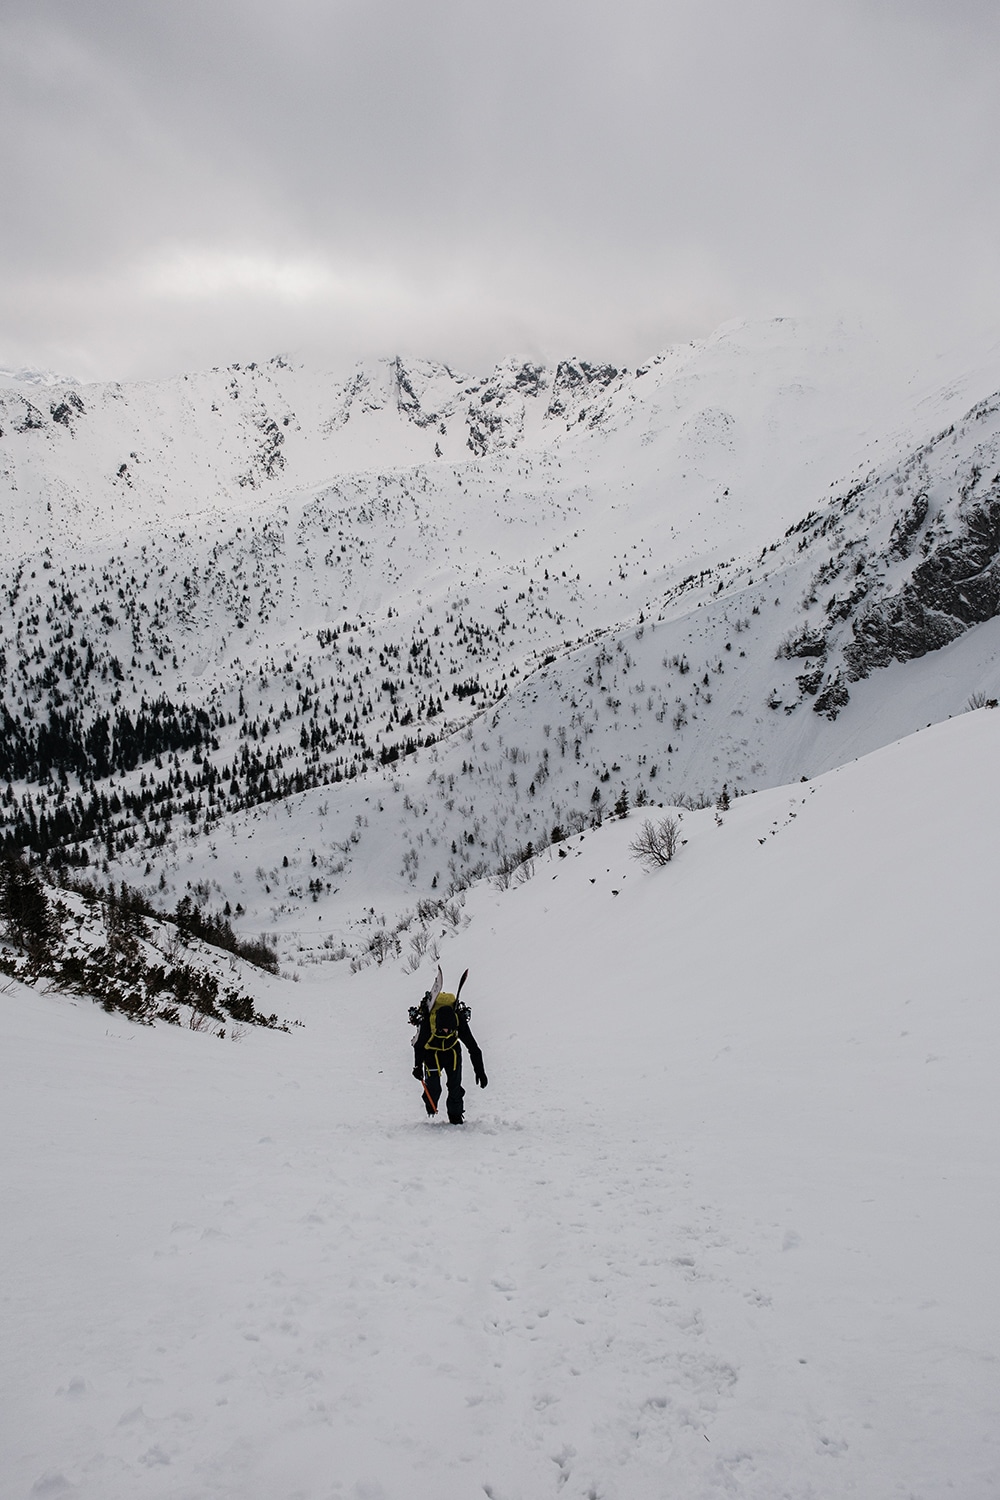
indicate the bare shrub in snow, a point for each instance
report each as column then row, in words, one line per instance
column 656, row 843
column 506, row 866
column 383, row 945
column 418, row 942
column 692, row 802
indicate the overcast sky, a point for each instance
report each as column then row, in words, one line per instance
column 189, row 182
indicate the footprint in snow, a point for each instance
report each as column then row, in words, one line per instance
column 51, row 1485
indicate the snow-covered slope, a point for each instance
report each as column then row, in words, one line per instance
column 323, row 687
column 723, row 1223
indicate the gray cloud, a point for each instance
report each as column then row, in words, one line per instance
column 195, row 182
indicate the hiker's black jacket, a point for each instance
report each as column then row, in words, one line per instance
column 425, row 1057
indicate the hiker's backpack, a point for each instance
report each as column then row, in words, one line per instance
column 445, row 1013
column 445, row 1017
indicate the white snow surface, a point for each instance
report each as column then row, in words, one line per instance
column 724, row 1223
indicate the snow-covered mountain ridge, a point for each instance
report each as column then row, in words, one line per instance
column 107, row 456
column 774, row 398
column 642, row 585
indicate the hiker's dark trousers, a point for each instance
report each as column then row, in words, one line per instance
column 445, row 1067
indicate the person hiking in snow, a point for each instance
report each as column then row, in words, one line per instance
column 442, row 1030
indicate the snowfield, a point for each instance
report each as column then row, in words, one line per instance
column 725, row 1222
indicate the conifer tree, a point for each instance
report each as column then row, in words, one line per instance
column 25, row 909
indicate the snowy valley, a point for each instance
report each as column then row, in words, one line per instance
column 365, row 674
column 304, row 699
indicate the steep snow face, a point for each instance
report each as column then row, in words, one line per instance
column 724, row 1221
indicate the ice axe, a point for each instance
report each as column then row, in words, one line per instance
column 430, row 1101
column 460, row 983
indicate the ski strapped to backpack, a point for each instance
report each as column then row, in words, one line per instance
column 446, row 1014
column 442, row 1013
column 436, row 1006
